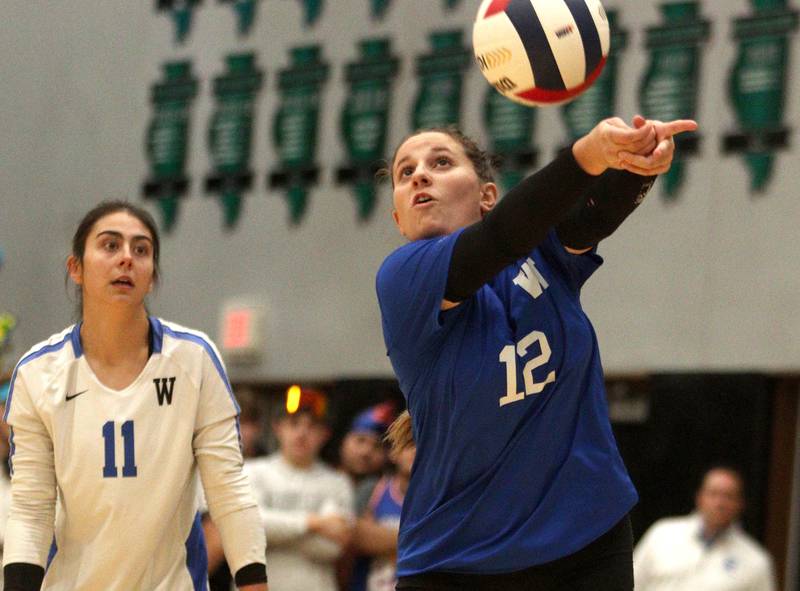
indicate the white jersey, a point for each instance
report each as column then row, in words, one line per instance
column 672, row 556
column 105, row 482
column 299, row 560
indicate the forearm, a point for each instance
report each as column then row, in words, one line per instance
column 606, row 204
column 519, row 222
column 374, row 539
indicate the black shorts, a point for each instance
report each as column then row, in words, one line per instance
column 604, row 565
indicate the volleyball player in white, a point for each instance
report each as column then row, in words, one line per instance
column 112, row 419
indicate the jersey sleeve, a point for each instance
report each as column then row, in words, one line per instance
column 411, row 285
column 29, row 530
column 217, row 401
column 228, row 493
column 574, row 268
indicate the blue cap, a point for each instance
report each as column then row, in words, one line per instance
column 376, row 419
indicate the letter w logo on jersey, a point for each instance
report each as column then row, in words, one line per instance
column 164, row 387
column 530, row 279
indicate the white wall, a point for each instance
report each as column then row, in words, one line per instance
column 709, row 282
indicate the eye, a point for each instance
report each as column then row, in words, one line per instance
column 406, row 171
column 110, row 245
column 443, row 161
column 142, row 249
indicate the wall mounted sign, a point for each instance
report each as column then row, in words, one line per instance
column 230, row 133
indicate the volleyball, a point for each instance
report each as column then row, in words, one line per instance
column 541, row 52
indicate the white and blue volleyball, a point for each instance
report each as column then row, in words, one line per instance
column 541, row 52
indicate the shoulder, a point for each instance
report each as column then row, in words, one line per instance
column 751, row 548
column 255, row 467
column 409, row 256
column 671, row 527
column 52, row 352
column 171, row 336
column 333, row 477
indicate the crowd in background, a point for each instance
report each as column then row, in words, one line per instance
column 332, row 526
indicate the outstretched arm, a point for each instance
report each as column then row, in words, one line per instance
column 521, row 220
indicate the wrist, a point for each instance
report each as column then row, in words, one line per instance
column 585, row 157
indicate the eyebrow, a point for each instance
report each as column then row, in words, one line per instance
column 434, row 149
column 116, row 234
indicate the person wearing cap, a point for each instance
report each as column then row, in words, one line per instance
column 306, row 507
column 362, row 453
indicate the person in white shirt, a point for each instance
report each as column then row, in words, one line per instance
column 306, row 507
column 111, row 421
column 707, row 550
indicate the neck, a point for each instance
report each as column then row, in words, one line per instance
column 299, row 463
column 112, row 334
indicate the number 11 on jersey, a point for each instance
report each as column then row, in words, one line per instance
column 509, row 355
column 129, row 467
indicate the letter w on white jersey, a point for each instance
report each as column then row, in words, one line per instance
column 530, row 279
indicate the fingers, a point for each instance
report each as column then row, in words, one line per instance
column 670, row 128
column 656, row 162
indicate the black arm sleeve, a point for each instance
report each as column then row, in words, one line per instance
column 22, row 576
column 610, row 199
column 251, row 574
column 518, row 223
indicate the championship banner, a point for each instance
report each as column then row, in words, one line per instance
column 451, row 4
column 167, row 141
column 312, row 9
column 245, row 14
column 295, row 127
column 231, row 131
column 379, row 8
column 599, row 101
column 758, row 87
column 670, row 86
column 441, row 74
column 510, row 127
column 365, row 119
column 181, row 11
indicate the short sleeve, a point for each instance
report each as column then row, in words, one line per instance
column 574, row 268
column 411, row 285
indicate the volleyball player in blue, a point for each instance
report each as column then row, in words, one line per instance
column 517, row 482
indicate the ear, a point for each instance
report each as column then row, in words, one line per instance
column 488, row 197
column 74, row 269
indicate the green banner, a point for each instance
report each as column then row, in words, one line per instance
column 167, row 140
column 365, row 119
column 599, row 101
column 441, row 74
column 231, row 131
column 181, row 11
column 670, row 86
column 757, row 86
column 295, row 128
column 245, row 14
column 312, row 9
column 451, row 4
column 379, row 8
column 510, row 127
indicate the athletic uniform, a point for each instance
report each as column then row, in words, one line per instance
column 105, row 482
column 516, row 462
column 385, row 507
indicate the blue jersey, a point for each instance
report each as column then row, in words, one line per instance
column 516, row 462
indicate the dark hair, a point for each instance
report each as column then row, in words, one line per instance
column 100, row 211
column 483, row 163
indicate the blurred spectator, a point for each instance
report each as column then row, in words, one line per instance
column 306, row 507
column 5, row 481
column 251, row 431
column 707, row 550
column 362, row 453
column 377, row 528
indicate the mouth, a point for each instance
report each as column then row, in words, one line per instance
column 125, row 282
column 421, row 199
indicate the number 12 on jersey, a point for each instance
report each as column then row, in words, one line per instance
column 129, row 467
column 509, row 356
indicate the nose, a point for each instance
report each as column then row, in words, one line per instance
column 126, row 258
column 421, row 177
